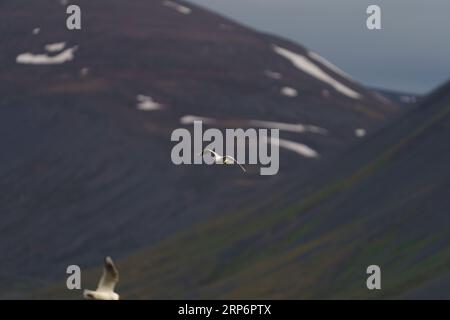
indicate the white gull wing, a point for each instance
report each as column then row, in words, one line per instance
column 236, row 162
column 215, row 154
column 109, row 278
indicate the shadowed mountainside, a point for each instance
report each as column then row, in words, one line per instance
column 86, row 118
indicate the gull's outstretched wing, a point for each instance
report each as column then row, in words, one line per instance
column 236, row 162
column 215, row 154
column 110, row 276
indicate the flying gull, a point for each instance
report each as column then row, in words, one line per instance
column 105, row 289
column 219, row 159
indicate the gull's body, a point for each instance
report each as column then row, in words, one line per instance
column 105, row 289
column 219, row 159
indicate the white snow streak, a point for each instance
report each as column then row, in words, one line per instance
column 54, row 47
column 310, row 68
column 189, row 119
column 290, row 127
column 43, row 59
column 296, row 147
column 146, row 103
column 329, row 65
column 289, row 92
column 360, row 133
column 178, row 7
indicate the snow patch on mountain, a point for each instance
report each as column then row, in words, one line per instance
column 273, row 74
column 305, row 65
column 146, row 103
column 299, row 148
column 360, row 133
column 178, row 7
column 190, row 119
column 289, row 92
column 291, row 127
column 329, row 65
column 44, row 59
column 55, row 47
column 283, row 126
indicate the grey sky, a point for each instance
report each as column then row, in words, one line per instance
column 411, row 53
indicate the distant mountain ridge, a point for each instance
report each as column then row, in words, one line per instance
column 401, row 98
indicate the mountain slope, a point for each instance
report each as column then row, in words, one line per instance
column 385, row 203
column 401, row 98
column 86, row 118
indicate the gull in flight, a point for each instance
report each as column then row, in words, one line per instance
column 219, row 159
column 105, row 289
